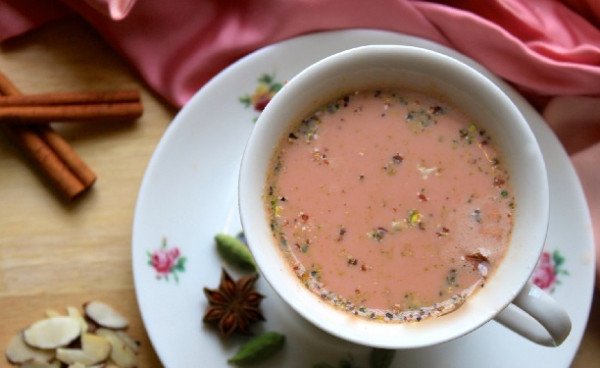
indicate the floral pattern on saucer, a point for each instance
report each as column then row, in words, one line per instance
column 548, row 270
column 267, row 87
column 167, row 261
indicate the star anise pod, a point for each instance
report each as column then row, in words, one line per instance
column 234, row 305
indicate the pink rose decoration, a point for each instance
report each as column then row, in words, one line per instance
column 163, row 261
column 167, row 262
column 173, row 254
column 544, row 275
column 267, row 87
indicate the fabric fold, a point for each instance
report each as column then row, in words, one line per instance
column 115, row 9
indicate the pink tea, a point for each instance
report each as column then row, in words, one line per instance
column 392, row 205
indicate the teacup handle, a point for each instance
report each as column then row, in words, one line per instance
column 536, row 316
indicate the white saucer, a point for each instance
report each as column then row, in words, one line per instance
column 189, row 194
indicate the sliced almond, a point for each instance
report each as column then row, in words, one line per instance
column 52, row 313
column 18, row 351
column 74, row 313
column 76, row 365
column 47, row 339
column 121, row 353
column 130, row 341
column 105, row 316
column 94, row 350
column 79, row 365
column 51, row 333
column 72, row 356
column 34, row 364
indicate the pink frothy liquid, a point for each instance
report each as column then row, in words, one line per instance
column 392, row 205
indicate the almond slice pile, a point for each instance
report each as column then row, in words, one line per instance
column 94, row 339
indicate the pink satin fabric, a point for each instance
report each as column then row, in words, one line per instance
column 115, row 9
column 548, row 49
column 19, row 16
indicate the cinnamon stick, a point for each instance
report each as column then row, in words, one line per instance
column 57, row 161
column 67, row 154
column 70, row 98
column 47, row 161
column 85, row 112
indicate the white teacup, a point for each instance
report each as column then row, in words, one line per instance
column 508, row 297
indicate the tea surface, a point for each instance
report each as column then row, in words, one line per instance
column 391, row 205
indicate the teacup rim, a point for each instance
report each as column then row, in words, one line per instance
column 273, row 276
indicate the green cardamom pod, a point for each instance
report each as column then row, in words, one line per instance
column 381, row 358
column 235, row 252
column 258, row 349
